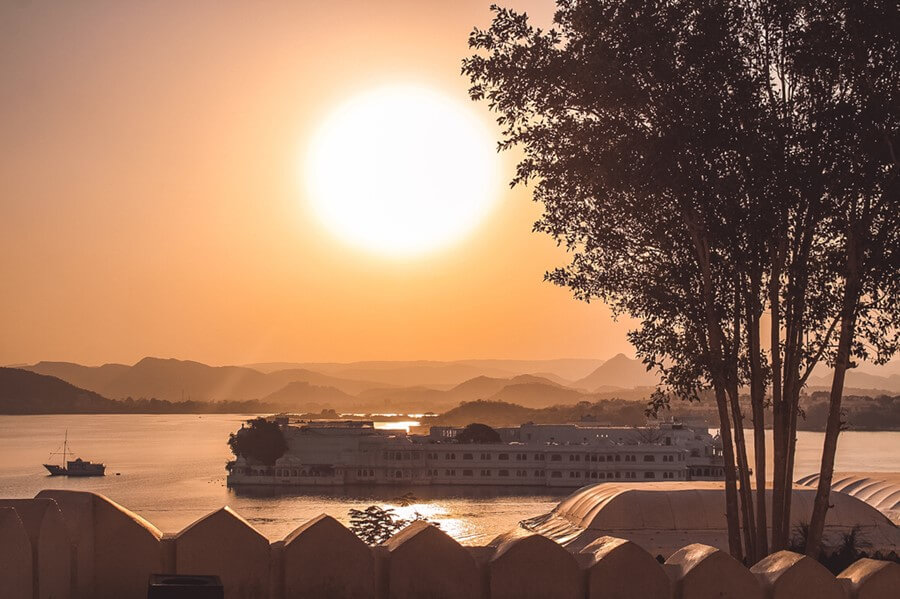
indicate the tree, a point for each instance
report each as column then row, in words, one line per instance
column 850, row 54
column 261, row 441
column 478, row 433
column 626, row 143
column 375, row 524
column 693, row 159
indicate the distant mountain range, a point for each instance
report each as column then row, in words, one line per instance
column 441, row 374
column 360, row 386
column 859, row 380
column 375, row 386
column 177, row 380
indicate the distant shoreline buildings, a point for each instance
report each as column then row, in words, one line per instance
column 332, row 453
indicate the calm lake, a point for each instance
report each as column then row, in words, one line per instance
column 171, row 471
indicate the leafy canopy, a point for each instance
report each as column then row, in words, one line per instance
column 261, row 441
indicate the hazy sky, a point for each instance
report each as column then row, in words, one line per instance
column 150, row 203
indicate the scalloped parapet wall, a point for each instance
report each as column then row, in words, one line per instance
column 84, row 546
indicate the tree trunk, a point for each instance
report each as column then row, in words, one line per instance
column 737, row 416
column 719, row 380
column 743, row 473
column 833, row 427
column 779, row 455
column 757, row 400
column 731, row 496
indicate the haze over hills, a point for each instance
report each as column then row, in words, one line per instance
column 176, row 380
column 619, row 371
column 436, row 374
column 859, row 380
column 301, row 388
column 311, row 398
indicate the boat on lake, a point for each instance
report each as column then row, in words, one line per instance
column 76, row 467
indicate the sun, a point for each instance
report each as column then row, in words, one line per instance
column 401, row 171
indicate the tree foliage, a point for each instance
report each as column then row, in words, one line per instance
column 706, row 164
column 376, row 525
column 478, row 433
column 261, row 441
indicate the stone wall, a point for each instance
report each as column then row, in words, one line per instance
column 81, row 545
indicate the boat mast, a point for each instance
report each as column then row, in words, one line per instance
column 65, row 447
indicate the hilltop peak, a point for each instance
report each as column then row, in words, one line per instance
column 619, row 371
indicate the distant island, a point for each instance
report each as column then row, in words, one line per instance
column 27, row 392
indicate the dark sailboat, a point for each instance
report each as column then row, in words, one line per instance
column 76, row 467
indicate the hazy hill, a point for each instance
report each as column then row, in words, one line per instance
column 619, row 371
column 347, row 385
column 302, row 396
column 859, row 380
column 524, row 389
column 431, row 373
column 483, row 387
column 537, row 395
column 567, row 369
column 497, row 413
column 403, row 399
column 174, row 380
column 24, row 392
column 95, row 378
column 416, row 374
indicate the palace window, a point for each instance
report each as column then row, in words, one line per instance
column 556, row 457
column 649, row 475
column 503, row 473
column 649, row 458
column 467, row 456
column 555, row 474
column 503, row 456
column 467, row 473
column 485, row 473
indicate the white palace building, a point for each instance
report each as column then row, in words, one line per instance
column 553, row 455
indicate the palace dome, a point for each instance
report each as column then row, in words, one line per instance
column 881, row 490
column 665, row 516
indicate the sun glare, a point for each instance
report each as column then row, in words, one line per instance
column 401, row 171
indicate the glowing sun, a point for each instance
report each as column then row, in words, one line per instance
column 401, row 170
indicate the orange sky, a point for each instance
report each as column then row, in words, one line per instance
column 149, row 202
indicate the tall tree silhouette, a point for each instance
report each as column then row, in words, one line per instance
column 678, row 150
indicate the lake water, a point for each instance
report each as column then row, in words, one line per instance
column 172, row 472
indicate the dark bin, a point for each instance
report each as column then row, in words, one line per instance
column 184, row 586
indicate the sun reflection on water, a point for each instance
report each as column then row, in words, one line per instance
column 436, row 514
